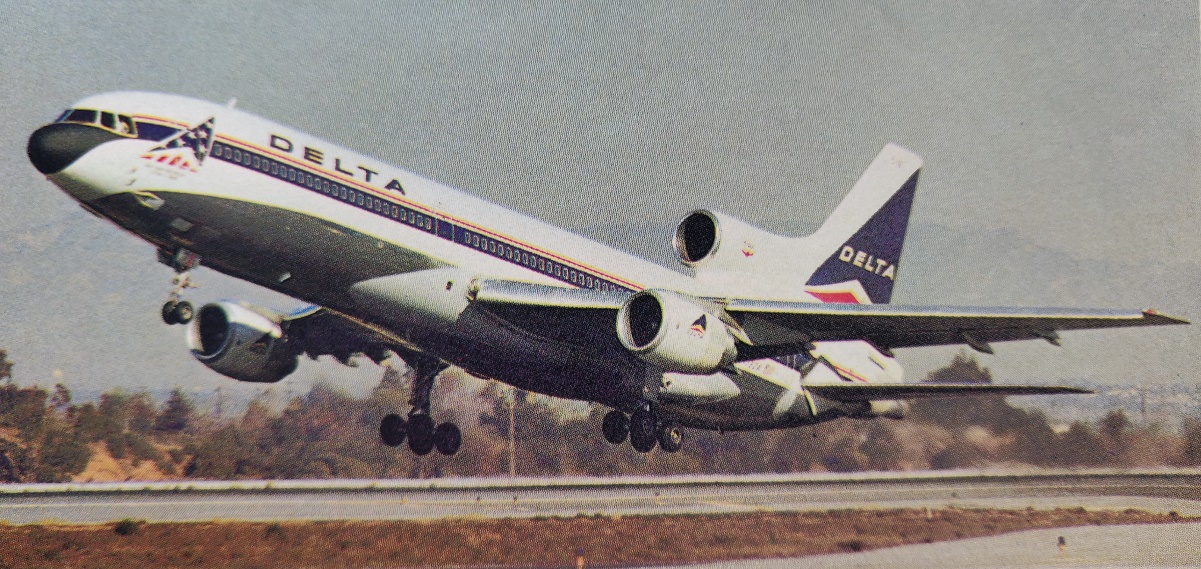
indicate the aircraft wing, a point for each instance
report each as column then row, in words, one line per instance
column 876, row 391
column 319, row 331
column 777, row 328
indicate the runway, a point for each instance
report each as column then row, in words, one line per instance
column 1156, row 491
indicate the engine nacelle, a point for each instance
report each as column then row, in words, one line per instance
column 674, row 333
column 716, row 241
column 239, row 342
column 697, row 389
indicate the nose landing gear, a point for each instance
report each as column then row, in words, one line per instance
column 177, row 310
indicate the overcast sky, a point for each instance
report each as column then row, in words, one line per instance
column 1060, row 140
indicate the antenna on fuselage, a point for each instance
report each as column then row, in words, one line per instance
column 233, row 102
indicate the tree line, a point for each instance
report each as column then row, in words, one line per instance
column 47, row 437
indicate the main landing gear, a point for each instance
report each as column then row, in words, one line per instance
column 644, row 428
column 419, row 429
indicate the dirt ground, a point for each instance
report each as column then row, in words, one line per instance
column 538, row 542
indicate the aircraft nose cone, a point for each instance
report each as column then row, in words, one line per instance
column 56, row 146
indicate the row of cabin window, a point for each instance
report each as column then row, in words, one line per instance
column 316, row 183
column 533, row 261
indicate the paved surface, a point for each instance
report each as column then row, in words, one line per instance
column 1110, row 546
column 350, row 500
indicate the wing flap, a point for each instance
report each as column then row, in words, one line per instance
column 849, row 392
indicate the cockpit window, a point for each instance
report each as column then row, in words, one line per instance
column 125, row 125
column 81, row 115
column 120, row 124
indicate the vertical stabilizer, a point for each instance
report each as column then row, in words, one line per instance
column 857, row 250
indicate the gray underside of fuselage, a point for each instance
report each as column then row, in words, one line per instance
column 322, row 260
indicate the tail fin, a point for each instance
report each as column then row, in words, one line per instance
column 857, row 249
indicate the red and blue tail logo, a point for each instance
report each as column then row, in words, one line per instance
column 864, row 269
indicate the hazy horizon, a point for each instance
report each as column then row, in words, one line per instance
column 1060, row 142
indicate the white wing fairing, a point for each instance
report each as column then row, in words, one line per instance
column 769, row 331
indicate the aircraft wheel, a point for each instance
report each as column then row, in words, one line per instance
column 421, row 434
column 616, row 427
column 183, row 312
column 392, row 430
column 670, row 438
column 448, row 438
column 642, row 430
column 169, row 312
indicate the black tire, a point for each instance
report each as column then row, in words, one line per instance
column 392, row 430
column 670, row 438
column 421, row 434
column 184, row 312
column 642, row 431
column 169, row 313
column 616, row 427
column 448, row 438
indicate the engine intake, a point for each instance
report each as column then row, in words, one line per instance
column 714, row 241
column 697, row 237
column 239, row 342
column 674, row 333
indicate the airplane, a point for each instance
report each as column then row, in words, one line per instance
column 758, row 331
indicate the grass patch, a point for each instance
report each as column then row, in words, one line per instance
column 554, row 541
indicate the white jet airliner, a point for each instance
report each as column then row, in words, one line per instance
column 765, row 332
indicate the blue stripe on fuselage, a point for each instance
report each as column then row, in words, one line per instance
column 462, row 235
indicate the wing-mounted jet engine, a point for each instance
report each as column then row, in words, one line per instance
column 242, row 343
column 674, row 333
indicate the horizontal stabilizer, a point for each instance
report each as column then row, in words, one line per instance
column 877, row 391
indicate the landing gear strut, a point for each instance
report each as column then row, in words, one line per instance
column 419, row 429
column 644, row 428
column 177, row 310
